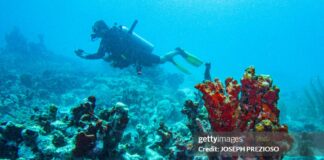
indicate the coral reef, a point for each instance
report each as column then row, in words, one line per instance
column 195, row 118
column 84, row 143
column 93, row 130
column 228, row 111
column 107, row 128
column 10, row 135
column 83, row 135
column 148, row 124
column 251, row 106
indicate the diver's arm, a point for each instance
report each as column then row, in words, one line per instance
column 100, row 53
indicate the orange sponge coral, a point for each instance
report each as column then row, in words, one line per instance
column 241, row 107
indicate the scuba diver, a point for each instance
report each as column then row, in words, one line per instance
column 122, row 47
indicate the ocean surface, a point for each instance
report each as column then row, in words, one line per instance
column 284, row 39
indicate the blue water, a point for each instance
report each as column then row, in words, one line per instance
column 282, row 38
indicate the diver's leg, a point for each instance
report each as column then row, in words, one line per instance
column 186, row 55
column 190, row 58
column 181, row 68
column 169, row 56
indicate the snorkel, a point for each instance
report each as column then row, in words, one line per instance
column 133, row 27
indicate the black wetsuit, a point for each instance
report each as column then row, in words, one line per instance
column 123, row 52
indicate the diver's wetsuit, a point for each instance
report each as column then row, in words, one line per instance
column 123, row 51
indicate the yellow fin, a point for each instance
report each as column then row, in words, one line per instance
column 193, row 60
column 183, row 69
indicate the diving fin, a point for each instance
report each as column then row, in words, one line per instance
column 183, row 69
column 190, row 58
column 193, row 60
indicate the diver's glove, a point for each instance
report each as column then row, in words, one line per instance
column 79, row 52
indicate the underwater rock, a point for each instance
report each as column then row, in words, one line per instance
column 160, row 143
column 165, row 134
column 84, row 109
column 71, row 131
column 120, row 105
column 138, row 142
column 64, row 152
column 29, row 136
column 128, row 156
column 44, row 121
column 117, row 122
column 8, row 150
column 191, row 110
column 44, row 143
column 47, row 149
column 58, row 139
column 84, row 143
column 59, row 125
column 13, row 131
column 52, row 111
column 152, row 154
column 26, row 151
column 104, row 114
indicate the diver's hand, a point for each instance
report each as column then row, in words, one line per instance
column 79, row 52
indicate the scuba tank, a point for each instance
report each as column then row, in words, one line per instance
column 127, row 47
column 134, row 41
